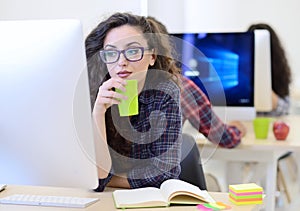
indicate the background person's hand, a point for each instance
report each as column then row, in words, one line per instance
column 240, row 126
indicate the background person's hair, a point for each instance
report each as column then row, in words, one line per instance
column 281, row 72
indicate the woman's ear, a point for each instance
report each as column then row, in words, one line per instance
column 152, row 58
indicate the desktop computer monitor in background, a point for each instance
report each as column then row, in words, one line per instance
column 222, row 65
column 46, row 133
column 263, row 71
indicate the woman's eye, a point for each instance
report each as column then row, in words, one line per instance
column 111, row 53
column 132, row 51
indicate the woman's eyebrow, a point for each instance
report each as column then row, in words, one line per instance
column 109, row 46
column 133, row 43
column 127, row 45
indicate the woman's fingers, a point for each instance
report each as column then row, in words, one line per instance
column 117, row 83
column 107, row 94
column 112, row 94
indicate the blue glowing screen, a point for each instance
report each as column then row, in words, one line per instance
column 221, row 64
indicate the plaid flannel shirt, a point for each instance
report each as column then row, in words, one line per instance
column 155, row 134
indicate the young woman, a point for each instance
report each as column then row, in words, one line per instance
column 144, row 149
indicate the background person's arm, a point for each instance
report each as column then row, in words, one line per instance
column 198, row 110
column 280, row 105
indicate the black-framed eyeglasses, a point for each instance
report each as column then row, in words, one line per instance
column 132, row 54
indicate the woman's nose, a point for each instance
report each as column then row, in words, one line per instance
column 122, row 60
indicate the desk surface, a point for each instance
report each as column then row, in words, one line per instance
column 291, row 143
column 105, row 202
column 249, row 141
column 265, row 151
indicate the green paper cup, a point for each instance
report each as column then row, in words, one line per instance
column 261, row 127
column 130, row 106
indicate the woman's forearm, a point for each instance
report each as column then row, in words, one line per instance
column 119, row 181
column 103, row 159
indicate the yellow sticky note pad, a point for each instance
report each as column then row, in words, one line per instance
column 215, row 205
column 249, row 193
column 249, row 187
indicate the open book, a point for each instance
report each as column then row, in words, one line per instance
column 172, row 191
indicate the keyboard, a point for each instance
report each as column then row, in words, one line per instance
column 42, row 200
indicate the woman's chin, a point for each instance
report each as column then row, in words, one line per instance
column 139, row 76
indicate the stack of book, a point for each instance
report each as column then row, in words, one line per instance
column 241, row 194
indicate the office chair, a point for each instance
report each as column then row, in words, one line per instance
column 191, row 167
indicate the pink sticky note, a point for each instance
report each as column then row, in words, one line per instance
column 202, row 207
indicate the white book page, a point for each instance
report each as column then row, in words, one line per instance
column 172, row 186
column 138, row 196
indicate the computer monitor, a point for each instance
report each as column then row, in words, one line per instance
column 222, row 65
column 263, row 71
column 46, row 133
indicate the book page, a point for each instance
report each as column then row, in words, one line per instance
column 173, row 187
column 140, row 197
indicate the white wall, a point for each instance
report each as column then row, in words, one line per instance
column 90, row 12
column 178, row 15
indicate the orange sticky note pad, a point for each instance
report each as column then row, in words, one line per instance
column 226, row 206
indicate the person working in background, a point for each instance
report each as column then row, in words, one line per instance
column 141, row 150
column 198, row 110
column 281, row 73
column 281, row 80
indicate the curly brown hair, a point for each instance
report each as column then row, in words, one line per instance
column 281, row 72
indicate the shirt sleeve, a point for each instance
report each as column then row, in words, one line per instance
column 165, row 149
column 197, row 109
column 283, row 106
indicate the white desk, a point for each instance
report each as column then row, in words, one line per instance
column 253, row 150
column 104, row 204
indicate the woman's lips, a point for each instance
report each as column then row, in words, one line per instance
column 124, row 74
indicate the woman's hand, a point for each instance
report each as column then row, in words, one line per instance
column 107, row 96
column 274, row 100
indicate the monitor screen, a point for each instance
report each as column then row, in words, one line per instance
column 222, row 65
column 46, row 133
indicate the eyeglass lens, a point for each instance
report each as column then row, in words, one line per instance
column 131, row 54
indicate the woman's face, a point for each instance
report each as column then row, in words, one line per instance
column 123, row 38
